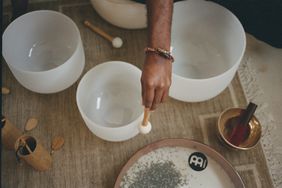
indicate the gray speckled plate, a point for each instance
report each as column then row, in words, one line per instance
column 178, row 163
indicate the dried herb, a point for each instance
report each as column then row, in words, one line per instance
column 155, row 175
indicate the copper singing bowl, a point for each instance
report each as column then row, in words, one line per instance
column 223, row 129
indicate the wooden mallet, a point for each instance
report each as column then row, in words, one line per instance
column 116, row 41
column 145, row 126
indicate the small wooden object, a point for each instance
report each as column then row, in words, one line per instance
column 57, row 143
column 145, row 127
column 5, row 91
column 116, row 41
column 33, row 153
column 24, row 144
column 31, row 124
column 98, row 31
column 10, row 133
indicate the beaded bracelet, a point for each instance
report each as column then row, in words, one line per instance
column 161, row 52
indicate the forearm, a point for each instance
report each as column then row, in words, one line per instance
column 156, row 74
column 159, row 23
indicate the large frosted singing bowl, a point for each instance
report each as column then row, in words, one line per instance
column 209, row 43
column 44, row 51
column 122, row 13
column 109, row 100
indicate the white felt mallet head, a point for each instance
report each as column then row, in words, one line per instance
column 117, row 42
column 145, row 126
column 145, row 129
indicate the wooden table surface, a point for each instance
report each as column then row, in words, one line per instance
column 86, row 160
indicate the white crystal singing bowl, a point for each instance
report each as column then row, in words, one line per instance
column 209, row 43
column 44, row 51
column 109, row 100
column 122, row 13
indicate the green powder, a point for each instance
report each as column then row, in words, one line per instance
column 155, row 175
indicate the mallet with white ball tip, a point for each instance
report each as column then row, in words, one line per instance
column 116, row 41
column 145, row 127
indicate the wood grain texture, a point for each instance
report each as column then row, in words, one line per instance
column 87, row 161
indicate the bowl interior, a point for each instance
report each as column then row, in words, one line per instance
column 109, row 94
column 224, row 130
column 207, row 39
column 40, row 41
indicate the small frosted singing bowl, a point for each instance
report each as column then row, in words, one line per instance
column 109, row 100
column 224, row 129
column 122, row 13
column 208, row 47
column 44, row 51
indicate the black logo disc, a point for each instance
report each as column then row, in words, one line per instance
column 198, row 161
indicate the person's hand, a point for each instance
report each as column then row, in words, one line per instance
column 155, row 80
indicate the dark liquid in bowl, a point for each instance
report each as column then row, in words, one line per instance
column 230, row 126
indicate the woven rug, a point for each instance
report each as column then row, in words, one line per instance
column 87, row 161
column 253, row 92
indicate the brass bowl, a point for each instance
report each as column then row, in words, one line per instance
column 223, row 129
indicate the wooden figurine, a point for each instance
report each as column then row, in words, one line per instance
column 33, row 153
column 10, row 133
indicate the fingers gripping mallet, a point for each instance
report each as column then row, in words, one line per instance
column 145, row 126
column 116, row 41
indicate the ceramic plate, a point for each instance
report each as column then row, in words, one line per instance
column 178, row 163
